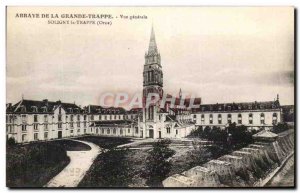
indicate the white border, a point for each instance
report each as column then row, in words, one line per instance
column 5, row 3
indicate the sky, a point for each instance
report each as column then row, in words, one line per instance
column 221, row 54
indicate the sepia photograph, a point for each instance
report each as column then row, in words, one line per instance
column 150, row 97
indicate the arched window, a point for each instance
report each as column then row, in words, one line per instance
column 262, row 118
column 250, row 118
column 275, row 119
column 229, row 118
column 239, row 118
column 219, row 119
column 202, row 119
column 211, row 119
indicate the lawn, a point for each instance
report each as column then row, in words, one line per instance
column 35, row 164
column 106, row 142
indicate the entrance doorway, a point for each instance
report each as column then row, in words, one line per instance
column 159, row 134
column 151, row 134
column 59, row 134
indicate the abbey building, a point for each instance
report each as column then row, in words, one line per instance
column 30, row 120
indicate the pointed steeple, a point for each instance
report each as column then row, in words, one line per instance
column 180, row 93
column 152, row 44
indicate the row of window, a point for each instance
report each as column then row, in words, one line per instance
column 9, row 119
column 229, row 117
column 59, row 125
column 229, row 108
column 36, row 135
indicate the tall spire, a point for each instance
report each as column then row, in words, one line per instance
column 152, row 45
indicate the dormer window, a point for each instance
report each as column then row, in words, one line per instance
column 44, row 109
column 23, row 109
column 34, row 109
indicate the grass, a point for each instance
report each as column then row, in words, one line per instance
column 33, row 165
column 69, row 145
column 106, row 142
column 110, row 168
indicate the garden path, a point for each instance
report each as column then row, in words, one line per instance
column 80, row 162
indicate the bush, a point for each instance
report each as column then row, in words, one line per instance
column 280, row 127
column 158, row 164
column 11, row 142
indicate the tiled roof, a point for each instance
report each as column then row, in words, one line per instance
column 135, row 111
column 94, row 109
column 112, row 123
column 265, row 134
column 240, row 106
column 187, row 101
column 42, row 107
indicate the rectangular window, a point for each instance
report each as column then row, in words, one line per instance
column 59, row 125
column 46, row 135
column 240, row 121
column 210, row 121
column 78, row 124
column 71, row 124
column 262, row 121
column 24, row 118
column 24, row 136
column 24, row 128
column 59, row 117
column 35, row 126
column 84, row 124
column 250, row 121
column 78, row 130
column 71, row 131
column 121, row 131
column 220, row 121
column 36, row 136
column 45, row 118
column 35, row 117
column 45, row 126
column 128, row 130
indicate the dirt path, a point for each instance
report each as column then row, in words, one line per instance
column 80, row 162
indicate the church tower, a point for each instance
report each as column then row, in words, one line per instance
column 152, row 83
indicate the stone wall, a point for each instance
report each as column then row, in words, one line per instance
column 243, row 168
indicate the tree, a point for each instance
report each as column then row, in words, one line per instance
column 158, row 164
column 11, row 142
column 280, row 127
